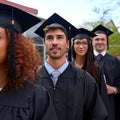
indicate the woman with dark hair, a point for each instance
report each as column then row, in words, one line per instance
column 82, row 52
column 83, row 58
column 20, row 98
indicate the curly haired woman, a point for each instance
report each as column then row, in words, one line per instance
column 20, row 98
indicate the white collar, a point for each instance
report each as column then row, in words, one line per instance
column 102, row 53
column 50, row 69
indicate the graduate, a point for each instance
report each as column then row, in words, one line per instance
column 110, row 66
column 20, row 99
column 83, row 58
column 74, row 92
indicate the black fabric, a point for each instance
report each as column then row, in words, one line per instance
column 21, row 20
column 31, row 102
column 55, row 18
column 86, row 32
column 101, row 86
column 12, row 66
column 75, row 96
column 99, row 57
column 101, row 28
column 110, row 68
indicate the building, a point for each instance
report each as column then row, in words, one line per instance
column 22, row 7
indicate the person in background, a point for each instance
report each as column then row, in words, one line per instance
column 110, row 68
column 74, row 92
column 83, row 58
column 20, row 98
column 82, row 52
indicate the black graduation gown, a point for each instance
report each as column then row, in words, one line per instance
column 110, row 67
column 31, row 102
column 75, row 96
column 101, row 85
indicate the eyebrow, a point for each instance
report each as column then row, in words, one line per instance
column 56, row 35
column 60, row 35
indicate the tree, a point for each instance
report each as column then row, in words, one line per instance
column 106, row 9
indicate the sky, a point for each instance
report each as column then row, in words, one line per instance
column 75, row 11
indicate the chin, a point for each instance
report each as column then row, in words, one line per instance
column 55, row 57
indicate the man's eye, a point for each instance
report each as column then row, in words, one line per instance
column 96, row 39
column 59, row 37
column 49, row 38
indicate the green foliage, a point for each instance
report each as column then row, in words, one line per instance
column 114, row 43
column 105, row 9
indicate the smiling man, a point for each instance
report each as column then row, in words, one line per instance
column 110, row 66
column 74, row 92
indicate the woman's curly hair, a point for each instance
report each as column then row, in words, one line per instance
column 28, row 59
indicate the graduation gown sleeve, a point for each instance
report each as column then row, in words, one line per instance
column 110, row 67
column 43, row 105
column 29, row 102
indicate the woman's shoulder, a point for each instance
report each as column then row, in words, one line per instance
column 32, row 89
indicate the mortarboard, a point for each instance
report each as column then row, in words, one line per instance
column 83, row 31
column 104, row 30
column 87, row 32
column 55, row 18
column 21, row 19
column 16, row 20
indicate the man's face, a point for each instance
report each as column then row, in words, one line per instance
column 56, row 44
column 100, row 42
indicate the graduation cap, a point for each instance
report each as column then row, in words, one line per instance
column 55, row 18
column 16, row 20
column 101, row 29
column 85, row 32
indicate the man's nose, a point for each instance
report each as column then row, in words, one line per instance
column 54, row 41
column 100, row 41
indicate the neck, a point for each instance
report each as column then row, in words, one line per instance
column 56, row 63
column 79, row 61
column 3, row 76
